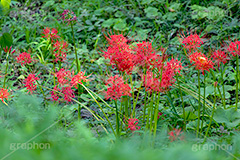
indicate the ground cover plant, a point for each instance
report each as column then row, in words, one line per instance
column 117, row 79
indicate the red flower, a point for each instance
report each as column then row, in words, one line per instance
column 79, row 78
column 132, row 124
column 30, row 82
column 119, row 54
column 201, row 61
column 117, row 40
column 191, row 42
column 175, row 134
column 145, row 56
column 234, row 48
column 117, row 88
column 24, row 58
column 151, row 82
column 220, row 57
column 60, row 49
column 162, row 81
column 175, row 65
column 50, row 34
column 3, row 94
column 68, row 93
column 63, row 76
column 54, row 94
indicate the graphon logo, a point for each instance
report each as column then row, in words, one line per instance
column 28, row 146
column 211, row 147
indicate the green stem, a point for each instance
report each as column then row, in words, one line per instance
column 75, row 49
column 156, row 117
column 184, row 114
column 78, row 69
column 150, row 107
column 224, row 98
column 54, row 76
column 199, row 103
column 145, row 106
column 204, row 96
column 117, row 120
column 135, row 102
column 6, row 70
column 132, row 92
column 211, row 115
column 237, row 83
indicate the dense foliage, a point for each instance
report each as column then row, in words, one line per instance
column 137, row 79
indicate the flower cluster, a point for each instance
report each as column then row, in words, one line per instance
column 234, row 48
column 220, row 57
column 4, row 94
column 30, row 83
column 59, row 46
column 117, row 88
column 191, row 42
column 119, row 53
column 164, row 78
column 60, row 51
column 145, row 55
column 132, row 124
column 66, row 81
column 24, row 58
column 201, row 62
column 50, row 34
column 68, row 16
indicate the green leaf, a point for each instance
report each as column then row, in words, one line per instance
column 6, row 40
column 120, row 25
column 108, row 23
column 146, row 1
column 151, row 12
column 230, row 117
column 6, row 3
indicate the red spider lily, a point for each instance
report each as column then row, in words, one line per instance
column 151, row 82
column 162, row 81
column 132, row 124
column 175, row 134
column 121, row 58
column 175, row 65
column 50, row 34
column 117, row 40
column 8, row 50
column 191, row 42
column 30, row 82
column 54, row 94
column 119, row 54
column 68, row 16
column 220, row 57
column 234, row 48
column 60, row 49
column 145, row 56
column 79, row 78
column 4, row 94
column 167, row 77
column 117, row 88
column 68, row 93
column 63, row 76
column 24, row 58
column 201, row 61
